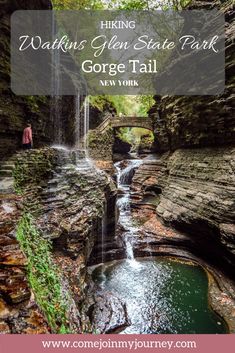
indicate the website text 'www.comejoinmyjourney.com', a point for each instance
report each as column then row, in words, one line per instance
column 124, row 344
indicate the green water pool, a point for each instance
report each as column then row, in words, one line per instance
column 161, row 295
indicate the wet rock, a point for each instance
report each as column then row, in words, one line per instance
column 106, row 166
column 191, row 190
column 120, row 146
column 14, row 285
column 199, row 194
column 28, row 321
column 16, row 315
column 4, row 310
column 222, row 297
column 4, row 328
column 227, row 232
column 10, row 254
column 67, row 197
column 109, row 313
column 147, row 184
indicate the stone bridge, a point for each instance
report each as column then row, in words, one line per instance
column 125, row 121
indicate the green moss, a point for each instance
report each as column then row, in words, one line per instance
column 95, row 139
column 32, row 169
column 43, row 275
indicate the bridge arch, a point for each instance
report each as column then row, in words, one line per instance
column 144, row 123
column 116, row 122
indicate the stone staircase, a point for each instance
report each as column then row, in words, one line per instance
column 6, row 176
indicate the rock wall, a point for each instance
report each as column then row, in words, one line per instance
column 15, row 111
column 192, row 186
column 191, row 190
column 100, row 144
column 66, row 197
column 186, row 121
column 198, row 196
column 148, row 183
column 18, row 311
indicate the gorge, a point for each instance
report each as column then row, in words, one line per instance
column 99, row 237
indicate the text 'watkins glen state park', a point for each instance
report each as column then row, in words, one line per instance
column 106, row 52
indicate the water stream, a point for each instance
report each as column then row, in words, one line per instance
column 56, row 107
column 162, row 295
column 125, row 220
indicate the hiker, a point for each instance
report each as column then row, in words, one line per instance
column 27, row 140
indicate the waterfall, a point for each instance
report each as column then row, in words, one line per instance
column 104, row 230
column 77, row 126
column 103, row 239
column 81, row 128
column 86, row 122
column 128, row 172
column 56, row 109
column 81, row 125
column 129, row 249
column 81, row 122
column 124, row 177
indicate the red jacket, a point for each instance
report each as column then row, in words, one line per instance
column 27, row 135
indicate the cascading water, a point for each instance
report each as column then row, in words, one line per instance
column 81, row 132
column 125, row 220
column 104, row 231
column 77, row 126
column 81, row 122
column 78, row 154
column 86, row 122
column 161, row 295
column 56, row 109
column 103, row 239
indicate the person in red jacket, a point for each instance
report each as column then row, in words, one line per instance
column 27, row 140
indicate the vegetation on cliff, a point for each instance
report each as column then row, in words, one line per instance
column 32, row 171
column 120, row 4
column 43, row 275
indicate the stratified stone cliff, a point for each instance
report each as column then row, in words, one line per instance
column 186, row 121
column 199, row 195
column 192, row 187
column 66, row 196
column 15, row 111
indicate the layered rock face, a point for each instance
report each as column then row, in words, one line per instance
column 66, row 196
column 120, row 148
column 15, row 111
column 18, row 311
column 147, row 184
column 192, row 186
column 199, row 194
column 100, row 145
column 69, row 206
column 186, row 121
